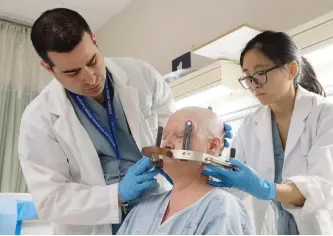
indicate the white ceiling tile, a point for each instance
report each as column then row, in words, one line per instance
column 97, row 13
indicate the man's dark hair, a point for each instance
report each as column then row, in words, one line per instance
column 58, row 30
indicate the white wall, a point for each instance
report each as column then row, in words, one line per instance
column 161, row 30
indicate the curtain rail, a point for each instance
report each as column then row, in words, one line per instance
column 15, row 22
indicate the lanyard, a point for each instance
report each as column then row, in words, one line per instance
column 80, row 101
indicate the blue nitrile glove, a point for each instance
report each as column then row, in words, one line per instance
column 245, row 179
column 164, row 174
column 228, row 134
column 138, row 178
column 227, row 130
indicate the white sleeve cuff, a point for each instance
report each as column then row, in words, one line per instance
column 116, row 214
column 301, row 182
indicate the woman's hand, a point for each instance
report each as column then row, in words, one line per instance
column 245, row 179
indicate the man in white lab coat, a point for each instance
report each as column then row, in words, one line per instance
column 80, row 139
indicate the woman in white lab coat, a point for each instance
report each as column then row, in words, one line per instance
column 284, row 148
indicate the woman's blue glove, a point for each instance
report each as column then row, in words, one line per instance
column 228, row 134
column 138, row 178
column 245, row 179
column 227, row 130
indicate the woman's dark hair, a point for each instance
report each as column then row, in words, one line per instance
column 309, row 75
column 281, row 49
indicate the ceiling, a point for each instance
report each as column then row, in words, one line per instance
column 159, row 31
column 97, row 12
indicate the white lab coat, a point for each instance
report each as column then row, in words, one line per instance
column 59, row 161
column 308, row 162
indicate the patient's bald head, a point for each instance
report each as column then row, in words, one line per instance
column 207, row 137
column 207, row 133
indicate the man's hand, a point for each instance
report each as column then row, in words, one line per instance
column 137, row 179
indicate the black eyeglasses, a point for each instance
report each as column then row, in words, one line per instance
column 259, row 78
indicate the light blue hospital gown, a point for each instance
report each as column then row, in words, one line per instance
column 218, row 212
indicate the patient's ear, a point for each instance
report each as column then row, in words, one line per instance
column 215, row 146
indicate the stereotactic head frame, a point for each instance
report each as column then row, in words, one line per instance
column 156, row 153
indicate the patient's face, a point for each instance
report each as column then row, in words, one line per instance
column 173, row 138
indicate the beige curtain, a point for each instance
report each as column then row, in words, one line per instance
column 21, row 79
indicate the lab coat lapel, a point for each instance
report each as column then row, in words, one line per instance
column 129, row 99
column 301, row 111
column 69, row 129
column 265, row 152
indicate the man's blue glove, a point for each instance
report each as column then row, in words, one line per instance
column 245, row 179
column 138, row 178
column 227, row 130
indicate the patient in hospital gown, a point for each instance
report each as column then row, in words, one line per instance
column 192, row 206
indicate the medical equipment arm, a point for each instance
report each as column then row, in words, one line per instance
column 57, row 198
column 156, row 153
column 158, row 144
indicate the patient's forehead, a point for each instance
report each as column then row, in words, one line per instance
column 201, row 119
column 178, row 120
